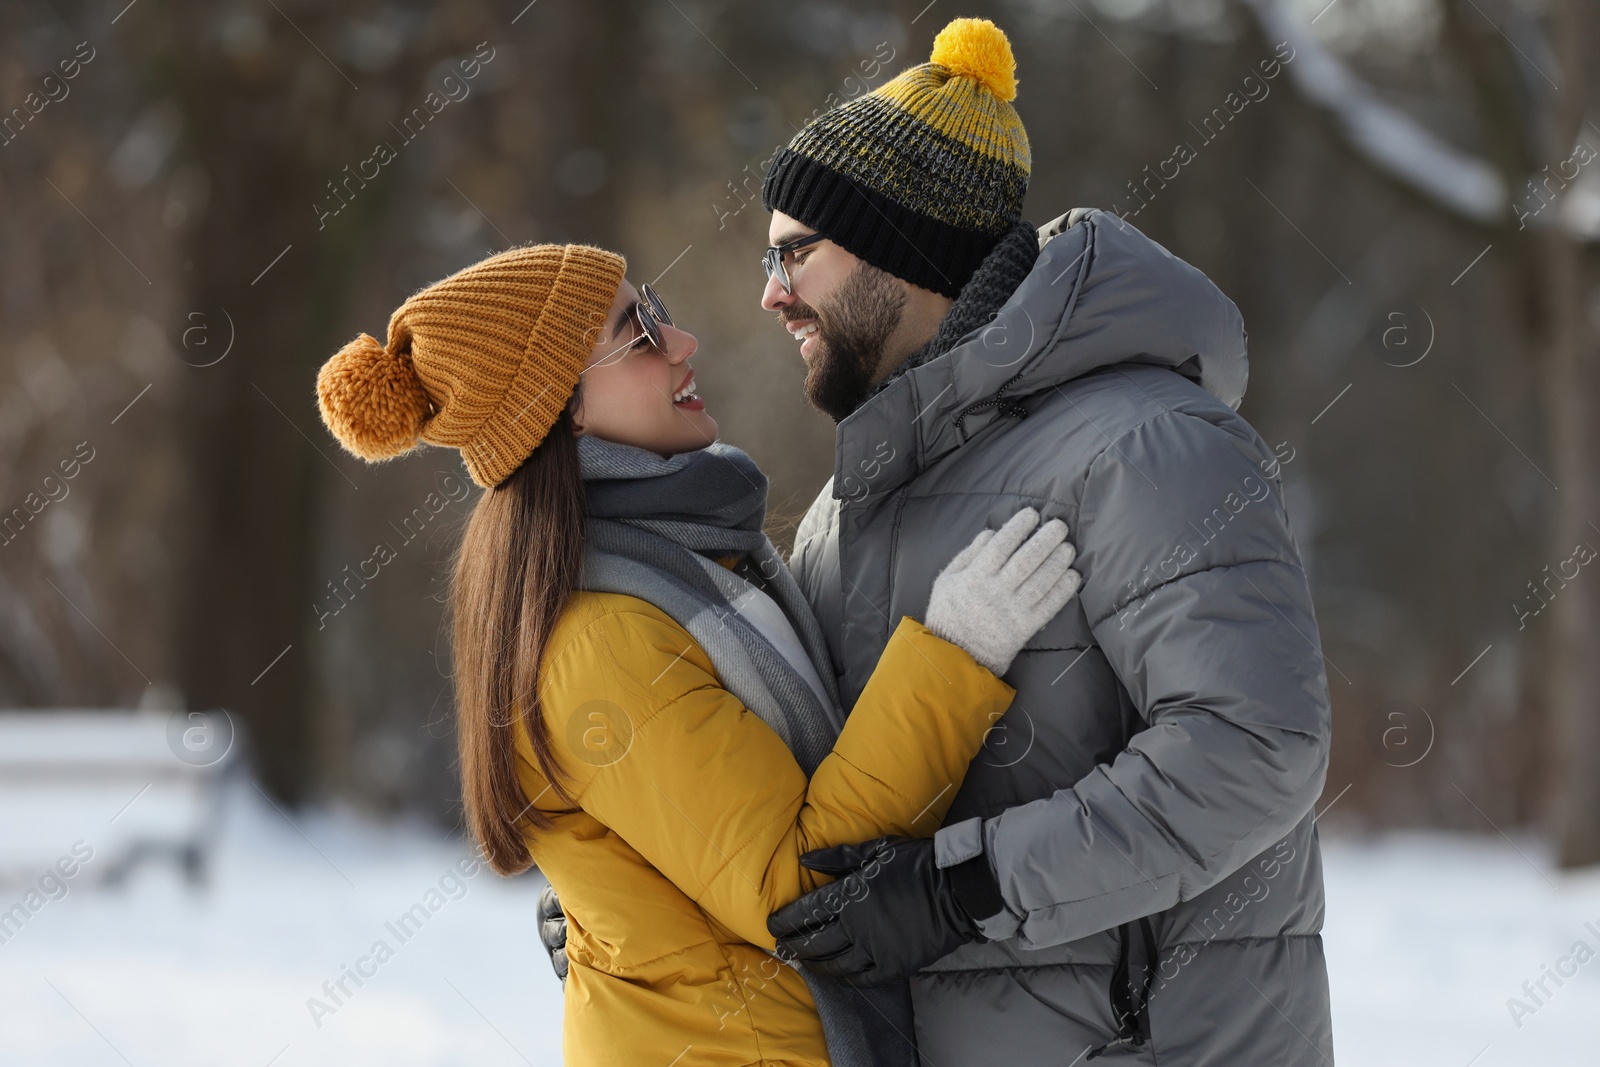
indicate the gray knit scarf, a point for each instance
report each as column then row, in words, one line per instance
column 1004, row 269
column 656, row 527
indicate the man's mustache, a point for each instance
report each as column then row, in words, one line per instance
column 797, row 312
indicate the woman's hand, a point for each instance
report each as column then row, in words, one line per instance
column 1002, row 588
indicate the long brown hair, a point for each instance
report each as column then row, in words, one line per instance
column 518, row 562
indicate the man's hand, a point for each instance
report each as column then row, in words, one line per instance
column 891, row 913
column 553, row 930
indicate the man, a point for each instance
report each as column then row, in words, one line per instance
column 1131, row 869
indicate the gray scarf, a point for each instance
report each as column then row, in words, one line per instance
column 1005, row 268
column 655, row 528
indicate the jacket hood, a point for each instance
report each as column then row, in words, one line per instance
column 1101, row 293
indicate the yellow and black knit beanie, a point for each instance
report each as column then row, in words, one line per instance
column 483, row 361
column 922, row 176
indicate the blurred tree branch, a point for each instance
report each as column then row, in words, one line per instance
column 1526, row 116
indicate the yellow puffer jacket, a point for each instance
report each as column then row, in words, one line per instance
column 690, row 820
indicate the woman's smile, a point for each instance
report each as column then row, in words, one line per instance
column 639, row 360
column 686, row 398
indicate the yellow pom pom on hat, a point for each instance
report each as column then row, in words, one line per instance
column 922, row 176
column 980, row 50
column 484, row 360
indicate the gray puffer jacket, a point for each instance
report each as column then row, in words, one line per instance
column 1146, row 803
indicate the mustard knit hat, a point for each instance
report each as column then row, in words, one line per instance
column 922, row 176
column 483, row 361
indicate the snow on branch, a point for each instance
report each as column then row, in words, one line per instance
column 1387, row 137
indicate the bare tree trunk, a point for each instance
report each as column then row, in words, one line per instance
column 268, row 117
column 1569, row 390
column 1567, row 384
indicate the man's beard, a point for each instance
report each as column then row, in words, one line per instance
column 851, row 334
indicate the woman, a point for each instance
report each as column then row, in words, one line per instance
column 645, row 708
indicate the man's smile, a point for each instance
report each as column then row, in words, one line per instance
column 803, row 330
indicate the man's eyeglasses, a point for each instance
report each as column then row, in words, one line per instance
column 653, row 315
column 772, row 261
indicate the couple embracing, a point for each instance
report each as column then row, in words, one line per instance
column 946, row 786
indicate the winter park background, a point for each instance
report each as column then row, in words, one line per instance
column 1400, row 195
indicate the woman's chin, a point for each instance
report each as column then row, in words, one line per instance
column 692, row 431
column 705, row 426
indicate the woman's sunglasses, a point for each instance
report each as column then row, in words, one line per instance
column 653, row 315
column 772, row 260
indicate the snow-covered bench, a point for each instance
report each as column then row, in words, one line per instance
column 119, row 786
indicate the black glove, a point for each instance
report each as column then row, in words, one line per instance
column 553, row 930
column 891, row 913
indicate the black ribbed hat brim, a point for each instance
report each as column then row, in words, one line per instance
column 908, row 244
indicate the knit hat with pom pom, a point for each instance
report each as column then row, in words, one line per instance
column 922, row 176
column 483, row 361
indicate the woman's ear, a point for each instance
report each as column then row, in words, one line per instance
column 575, row 409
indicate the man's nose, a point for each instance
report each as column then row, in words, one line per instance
column 774, row 298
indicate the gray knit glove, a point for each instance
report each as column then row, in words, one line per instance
column 1003, row 587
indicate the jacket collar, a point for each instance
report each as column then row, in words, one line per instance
column 1099, row 293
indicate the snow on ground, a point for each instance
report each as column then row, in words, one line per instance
column 156, row 973
column 1428, row 936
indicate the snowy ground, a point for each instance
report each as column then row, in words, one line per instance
column 1427, row 937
